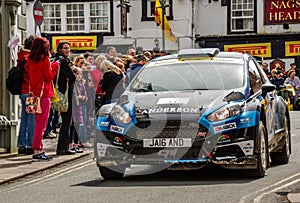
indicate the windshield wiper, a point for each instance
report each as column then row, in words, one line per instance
column 142, row 90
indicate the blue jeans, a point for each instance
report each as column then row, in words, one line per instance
column 27, row 126
column 82, row 128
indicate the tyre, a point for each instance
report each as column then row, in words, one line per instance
column 112, row 172
column 283, row 156
column 262, row 153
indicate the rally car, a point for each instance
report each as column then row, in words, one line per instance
column 198, row 107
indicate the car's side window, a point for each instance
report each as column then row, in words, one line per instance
column 254, row 76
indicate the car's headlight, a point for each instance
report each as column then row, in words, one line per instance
column 119, row 114
column 224, row 113
column 105, row 109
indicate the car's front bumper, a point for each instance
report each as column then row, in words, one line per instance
column 239, row 154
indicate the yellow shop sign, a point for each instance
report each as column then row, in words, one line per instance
column 292, row 48
column 77, row 42
column 257, row 49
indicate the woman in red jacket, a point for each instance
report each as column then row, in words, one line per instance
column 41, row 75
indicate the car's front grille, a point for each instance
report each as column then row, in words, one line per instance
column 166, row 129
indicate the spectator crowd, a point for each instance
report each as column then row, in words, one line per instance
column 84, row 77
column 283, row 78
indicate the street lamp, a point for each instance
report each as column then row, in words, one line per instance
column 156, row 42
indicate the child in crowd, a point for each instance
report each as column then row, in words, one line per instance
column 79, row 99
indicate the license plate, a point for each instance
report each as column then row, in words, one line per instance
column 167, row 142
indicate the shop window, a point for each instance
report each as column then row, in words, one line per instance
column 79, row 17
column 148, row 9
column 242, row 16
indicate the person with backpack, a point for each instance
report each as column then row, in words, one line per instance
column 27, row 120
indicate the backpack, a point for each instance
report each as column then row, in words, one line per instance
column 14, row 79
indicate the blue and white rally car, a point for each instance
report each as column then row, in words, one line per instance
column 198, row 107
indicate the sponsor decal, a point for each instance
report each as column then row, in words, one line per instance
column 225, row 158
column 171, row 110
column 248, row 148
column 104, row 123
column 101, row 149
column 224, row 138
column 77, row 42
column 116, row 129
column 245, row 120
column 292, row 48
column 257, row 49
column 173, row 101
column 118, row 141
column 228, row 126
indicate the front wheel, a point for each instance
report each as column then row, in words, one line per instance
column 262, row 153
column 112, row 172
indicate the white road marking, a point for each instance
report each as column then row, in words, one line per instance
column 55, row 174
column 258, row 198
column 264, row 191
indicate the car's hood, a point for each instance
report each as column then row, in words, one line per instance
column 182, row 99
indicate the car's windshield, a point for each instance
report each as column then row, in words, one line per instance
column 200, row 75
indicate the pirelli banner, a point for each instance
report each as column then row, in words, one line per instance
column 84, row 43
column 257, row 49
column 292, row 48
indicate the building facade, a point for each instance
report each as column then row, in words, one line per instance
column 93, row 25
column 12, row 33
column 266, row 28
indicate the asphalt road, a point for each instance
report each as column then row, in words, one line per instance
column 80, row 181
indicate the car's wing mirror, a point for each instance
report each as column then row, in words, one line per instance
column 267, row 87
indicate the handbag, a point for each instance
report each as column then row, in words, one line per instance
column 55, row 97
column 33, row 103
column 62, row 104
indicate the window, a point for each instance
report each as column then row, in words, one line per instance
column 148, row 9
column 52, row 18
column 99, row 16
column 242, row 16
column 77, row 17
column 200, row 75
